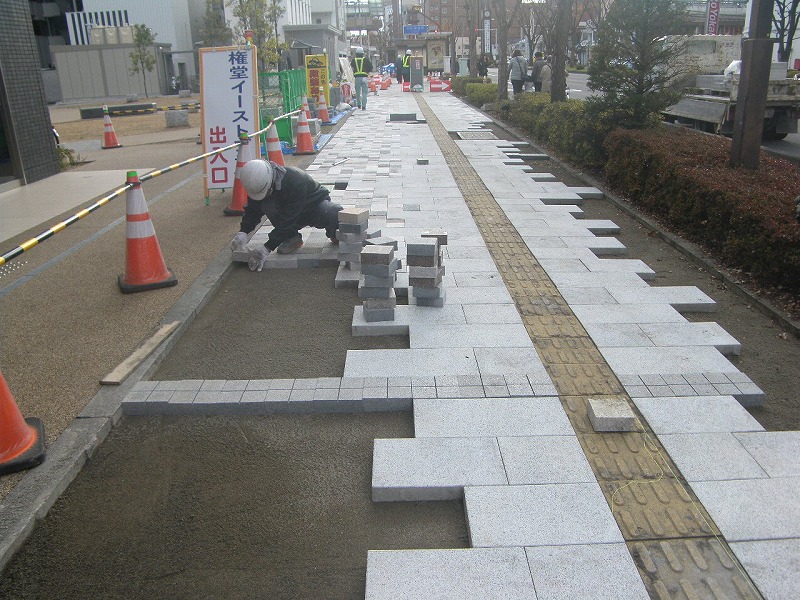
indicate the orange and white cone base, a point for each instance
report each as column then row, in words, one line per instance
column 144, row 264
column 322, row 110
column 305, row 145
column 109, row 137
column 239, row 196
column 274, row 150
column 21, row 440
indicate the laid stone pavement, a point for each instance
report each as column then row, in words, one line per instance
column 489, row 426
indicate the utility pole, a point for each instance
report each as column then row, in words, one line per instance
column 751, row 102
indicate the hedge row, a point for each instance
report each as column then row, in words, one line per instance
column 745, row 218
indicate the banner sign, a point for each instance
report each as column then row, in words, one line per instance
column 415, row 29
column 712, row 23
column 317, row 81
column 229, row 97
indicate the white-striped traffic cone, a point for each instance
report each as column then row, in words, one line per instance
column 306, row 110
column 322, row 110
column 274, row 150
column 109, row 136
column 144, row 264
column 305, row 145
column 239, row 195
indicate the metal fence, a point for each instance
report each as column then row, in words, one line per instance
column 279, row 93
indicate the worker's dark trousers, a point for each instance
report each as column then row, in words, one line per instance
column 324, row 215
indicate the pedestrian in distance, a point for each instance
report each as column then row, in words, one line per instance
column 398, row 69
column 518, row 71
column 546, row 74
column 536, row 71
column 483, row 66
column 291, row 200
column 362, row 69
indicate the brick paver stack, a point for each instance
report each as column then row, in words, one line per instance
column 426, row 268
column 376, row 286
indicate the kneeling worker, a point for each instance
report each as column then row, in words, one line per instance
column 291, row 200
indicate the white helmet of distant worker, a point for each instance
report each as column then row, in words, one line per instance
column 408, row 51
column 256, row 178
column 359, row 50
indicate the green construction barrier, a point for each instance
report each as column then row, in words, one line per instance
column 279, row 93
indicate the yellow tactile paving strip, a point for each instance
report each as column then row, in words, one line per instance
column 676, row 546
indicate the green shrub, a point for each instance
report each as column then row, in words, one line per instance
column 67, row 158
column 744, row 217
column 479, row 94
column 459, row 84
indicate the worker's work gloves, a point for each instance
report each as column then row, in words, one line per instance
column 239, row 242
column 258, row 257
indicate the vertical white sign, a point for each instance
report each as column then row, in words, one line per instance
column 229, row 101
column 487, row 35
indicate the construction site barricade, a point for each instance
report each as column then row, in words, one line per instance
column 280, row 92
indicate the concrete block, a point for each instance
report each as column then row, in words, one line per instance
column 544, row 459
column 372, row 315
column 176, row 118
column 378, row 255
column 437, row 233
column 422, row 161
column 711, row 457
column 354, row 228
column 381, row 270
column 380, row 303
column 422, row 247
column 777, row 452
column 427, row 293
column 435, row 273
column 430, row 302
column 350, row 238
column 611, row 414
column 353, row 216
column 696, row 414
column 773, row 565
column 376, row 292
column 376, row 281
column 402, row 116
column 414, row 260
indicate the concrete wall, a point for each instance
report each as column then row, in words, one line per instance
column 104, row 72
column 25, row 115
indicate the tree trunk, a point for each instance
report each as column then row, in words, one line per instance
column 563, row 18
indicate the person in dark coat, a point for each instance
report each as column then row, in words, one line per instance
column 291, row 200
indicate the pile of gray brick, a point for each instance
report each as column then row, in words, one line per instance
column 426, row 268
column 376, row 285
column 352, row 233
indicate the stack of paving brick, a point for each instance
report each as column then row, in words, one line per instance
column 425, row 268
column 376, row 286
column 352, row 233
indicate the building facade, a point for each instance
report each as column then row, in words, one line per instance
column 27, row 147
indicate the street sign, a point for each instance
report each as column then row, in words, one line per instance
column 414, row 29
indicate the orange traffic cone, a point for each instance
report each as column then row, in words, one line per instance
column 239, row 196
column 305, row 145
column 144, row 263
column 109, row 137
column 274, row 150
column 322, row 110
column 21, row 440
column 306, row 110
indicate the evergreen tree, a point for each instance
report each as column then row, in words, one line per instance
column 142, row 58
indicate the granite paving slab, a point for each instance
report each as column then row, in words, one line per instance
column 753, row 509
column 667, row 360
column 696, row 414
column 490, row 417
column 711, row 457
column 539, row 515
column 544, row 459
column 433, row 468
column 773, row 566
column 466, row 574
column 777, row 452
column 585, row 572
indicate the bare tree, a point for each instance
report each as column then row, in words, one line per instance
column 784, row 19
column 561, row 28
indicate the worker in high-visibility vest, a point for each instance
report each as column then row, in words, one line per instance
column 405, row 67
column 362, row 67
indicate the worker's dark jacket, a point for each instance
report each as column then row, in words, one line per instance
column 289, row 208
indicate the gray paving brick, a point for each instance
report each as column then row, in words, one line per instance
column 544, row 459
column 777, row 452
column 711, row 457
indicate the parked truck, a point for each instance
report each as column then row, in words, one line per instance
column 710, row 100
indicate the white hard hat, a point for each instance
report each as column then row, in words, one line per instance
column 256, row 178
column 408, row 51
column 359, row 50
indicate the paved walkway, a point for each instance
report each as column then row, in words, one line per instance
column 540, row 319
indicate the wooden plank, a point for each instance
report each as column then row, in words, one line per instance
column 126, row 367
